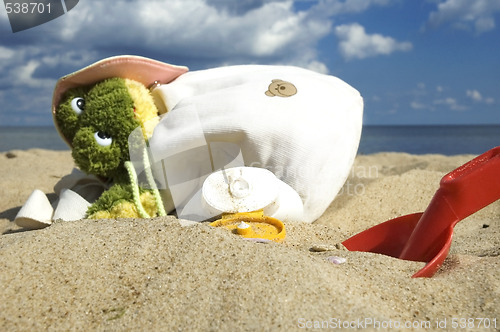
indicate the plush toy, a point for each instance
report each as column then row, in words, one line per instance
column 95, row 109
column 97, row 121
column 301, row 128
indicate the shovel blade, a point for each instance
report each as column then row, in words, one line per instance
column 388, row 238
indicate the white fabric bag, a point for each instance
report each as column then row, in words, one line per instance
column 303, row 126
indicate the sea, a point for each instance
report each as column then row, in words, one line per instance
column 413, row 139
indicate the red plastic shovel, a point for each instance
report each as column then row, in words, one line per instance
column 426, row 237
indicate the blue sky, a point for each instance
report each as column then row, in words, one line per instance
column 414, row 62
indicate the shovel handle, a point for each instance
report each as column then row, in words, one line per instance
column 462, row 192
column 474, row 185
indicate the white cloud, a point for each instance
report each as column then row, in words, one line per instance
column 475, row 15
column 417, row 105
column 6, row 56
column 214, row 32
column 435, row 100
column 474, row 95
column 317, row 66
column 24, row 76
column 451, row 103
column 356, row 43
column 6, row 53
column 478, row 97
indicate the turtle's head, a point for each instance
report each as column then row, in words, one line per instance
column 98, row 120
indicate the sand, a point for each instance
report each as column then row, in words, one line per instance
column 156, row 275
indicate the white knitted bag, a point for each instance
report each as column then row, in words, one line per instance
column 303, row 126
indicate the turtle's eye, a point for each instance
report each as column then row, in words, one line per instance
column 103, row 138
column 78, row 105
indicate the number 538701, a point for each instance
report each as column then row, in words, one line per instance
column 27, row 8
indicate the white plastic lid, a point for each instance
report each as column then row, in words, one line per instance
column 240, row 189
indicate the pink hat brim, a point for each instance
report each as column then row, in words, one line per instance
column 143, row 70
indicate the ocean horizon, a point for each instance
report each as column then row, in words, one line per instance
column 413, row 139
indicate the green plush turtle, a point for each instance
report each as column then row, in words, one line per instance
column 95, row 110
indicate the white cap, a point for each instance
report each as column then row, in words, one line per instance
column 240, row 189
column 247, row 189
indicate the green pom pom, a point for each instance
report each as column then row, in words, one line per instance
column 116, row 194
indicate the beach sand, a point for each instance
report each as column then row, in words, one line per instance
column 156, row 275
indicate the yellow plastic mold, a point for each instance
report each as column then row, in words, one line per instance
column 253, row 225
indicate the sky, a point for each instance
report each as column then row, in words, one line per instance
column 413, row 61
